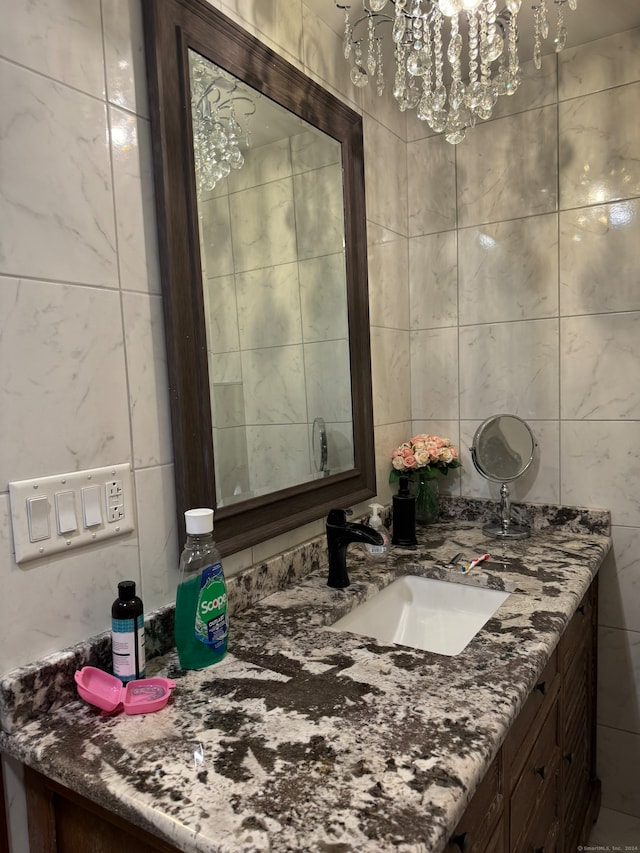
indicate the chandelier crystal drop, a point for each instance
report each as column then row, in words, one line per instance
column 449, row 90
column 219, row 133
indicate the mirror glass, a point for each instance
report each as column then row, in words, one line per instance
column 503, row 448
column 259, row 180
column 271, row 226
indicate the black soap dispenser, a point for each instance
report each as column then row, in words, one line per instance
column 404, row 516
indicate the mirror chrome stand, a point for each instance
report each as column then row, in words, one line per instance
column 506, row 530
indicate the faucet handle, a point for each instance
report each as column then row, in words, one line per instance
column 338, row 517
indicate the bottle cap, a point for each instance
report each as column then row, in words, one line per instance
column 127, row 590
column 199, row 521
column 403, row 489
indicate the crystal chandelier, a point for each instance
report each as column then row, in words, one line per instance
column 218, row 134
column 423, row 32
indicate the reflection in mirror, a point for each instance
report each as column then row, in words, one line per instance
column 320, row 447
column 263, row 249
column 503, row 449
column 271, row 221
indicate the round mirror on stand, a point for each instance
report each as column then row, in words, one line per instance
column 503, row 449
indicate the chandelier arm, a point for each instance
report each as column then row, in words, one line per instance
column 383, row 18
column 214, row 87
column 230, row 103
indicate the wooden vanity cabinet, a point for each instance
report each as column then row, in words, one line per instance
column 481, row 828
column 4, row 833
column 541, row 794
column 61, row 821
column 578, row 659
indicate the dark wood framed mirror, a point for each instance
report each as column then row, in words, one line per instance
column 182, row 38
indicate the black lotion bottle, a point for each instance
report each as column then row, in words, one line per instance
column 127, row 634
column 404, row 516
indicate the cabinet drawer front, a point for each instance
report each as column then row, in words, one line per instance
column 577, row 687
column 538, row 775
column 575, row 757
column 474, row 830
column 576, row 784
column 497, row 843
column 575, row 809
column 526, row 727
column 544, row 831
column 578, row 628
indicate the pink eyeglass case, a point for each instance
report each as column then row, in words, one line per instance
column 107, row 692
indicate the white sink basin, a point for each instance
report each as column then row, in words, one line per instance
column 433, row 615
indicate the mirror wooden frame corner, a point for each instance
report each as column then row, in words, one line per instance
column 171, row 27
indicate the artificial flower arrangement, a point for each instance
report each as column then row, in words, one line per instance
column 423, row 458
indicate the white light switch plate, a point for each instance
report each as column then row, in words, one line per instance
column 99, row 515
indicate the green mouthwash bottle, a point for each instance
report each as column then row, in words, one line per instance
column 202, row 621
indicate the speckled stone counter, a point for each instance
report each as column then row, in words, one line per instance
column 303, row 738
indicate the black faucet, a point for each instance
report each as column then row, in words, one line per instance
column 340, row 533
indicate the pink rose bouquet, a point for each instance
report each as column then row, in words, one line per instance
column 423, row 458
column 428, row 453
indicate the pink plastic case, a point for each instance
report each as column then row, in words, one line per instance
column 107, row 692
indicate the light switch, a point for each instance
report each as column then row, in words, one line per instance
column 59, row 512
column 66, row 512
column 38, row 517
column 91, row 509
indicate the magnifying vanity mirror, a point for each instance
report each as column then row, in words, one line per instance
column 259, row 177
column 503, row 449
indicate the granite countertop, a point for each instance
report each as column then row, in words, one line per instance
column 304, row 738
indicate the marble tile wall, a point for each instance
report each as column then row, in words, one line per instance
column 81, row 337
column 82, row 363
column 525, row 297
